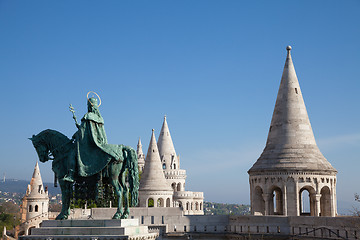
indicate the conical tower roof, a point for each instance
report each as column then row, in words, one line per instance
column 36, row 183
column 153, row 178
column 166, row 145
column 139, row 152
column 291, row 143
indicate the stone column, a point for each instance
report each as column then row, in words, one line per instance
column 333, row 199
column 266, row 197
column 297, row 195
column 285, row 200
column 316, row 198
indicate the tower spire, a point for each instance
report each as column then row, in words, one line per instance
column 140, row 155
column 166, row 148
column 291, row 143
column 153, row 177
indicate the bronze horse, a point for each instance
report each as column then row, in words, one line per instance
column 53, row 145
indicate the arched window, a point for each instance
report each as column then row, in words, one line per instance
column 150, row 202
column 174, row 166
column 196, row 206
column 258, row 202
column 160, row 202
column 168, row 202
column 173, row 185
column 325, row 202
column 277, row 202
column 36, row 208
column 187, row 206
column 164, row 166
column 307, row 201
column 179, row 187
column 30, row 208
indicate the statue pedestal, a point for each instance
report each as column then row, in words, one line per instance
column 90, row 229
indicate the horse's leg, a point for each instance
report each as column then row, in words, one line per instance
column 65, row 208
column 114, row 176
column 125, row 192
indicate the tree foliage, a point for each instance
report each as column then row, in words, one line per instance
column 9, row 215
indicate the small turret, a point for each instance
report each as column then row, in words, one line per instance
column 36, row 200
column 154, row 188
column 167, row 152
column 141, row 156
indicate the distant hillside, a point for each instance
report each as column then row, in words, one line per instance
column 19, row 186
column 212, row 208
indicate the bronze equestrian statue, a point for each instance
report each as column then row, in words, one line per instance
column 86, row 155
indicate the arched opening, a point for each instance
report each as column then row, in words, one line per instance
column 180, row 205
column 29, row 231
column 160, row 202
column 173, row 185
column 150, row 202
column 307, row 201
column 168, row 202
column 187, row 206
column 277, row 202
column 325, row 202
column 164, row 166
column 30, row 208
column 196, row 206
column 179, row 187
column 174, row 166
column 258, row 203
column 36, row 208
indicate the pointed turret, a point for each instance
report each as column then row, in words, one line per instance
column 291, row 143
column 140, row 155
column 36, row 183
column 153, row 177
column 36, row 200
column 166, row 148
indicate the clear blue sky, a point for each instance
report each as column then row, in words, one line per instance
column 213, row 67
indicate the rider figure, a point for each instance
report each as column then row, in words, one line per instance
column 91, row 148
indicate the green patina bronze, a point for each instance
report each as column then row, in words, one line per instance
column 89, row 160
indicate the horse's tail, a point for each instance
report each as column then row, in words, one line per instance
column 133, row 177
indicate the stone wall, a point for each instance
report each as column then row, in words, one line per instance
column 171, row 223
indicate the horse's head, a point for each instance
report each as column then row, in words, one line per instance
column 41, row 148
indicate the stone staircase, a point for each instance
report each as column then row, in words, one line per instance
column 90, row 229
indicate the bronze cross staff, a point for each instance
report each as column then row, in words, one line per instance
column 73, row 112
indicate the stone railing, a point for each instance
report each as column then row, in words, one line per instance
column 188, row 194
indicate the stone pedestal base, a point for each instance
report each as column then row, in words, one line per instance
column 90, row 229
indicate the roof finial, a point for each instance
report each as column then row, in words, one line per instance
column 165, row 117
column 152, row 130
column 288, row 48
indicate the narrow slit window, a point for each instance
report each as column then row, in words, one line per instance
column 296, row 91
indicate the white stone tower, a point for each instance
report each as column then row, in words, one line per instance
column 291, row 163
column 141, row 156
column 163, row 158
column 154, row 191
column 35, row 204
column 170, row 161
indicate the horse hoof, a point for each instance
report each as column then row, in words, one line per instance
column 117, row 216
column 124, row 216
column 61, row 217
